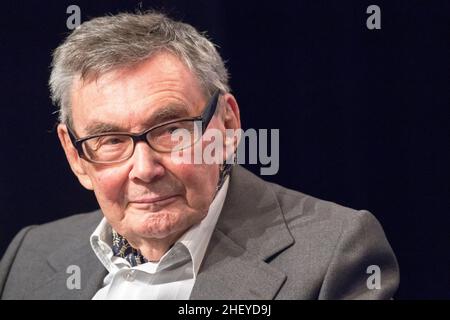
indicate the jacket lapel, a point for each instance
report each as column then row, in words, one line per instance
column 74, row 253
column 91, row 273
column 251, row 229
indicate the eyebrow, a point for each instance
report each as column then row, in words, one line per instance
column 167, row 113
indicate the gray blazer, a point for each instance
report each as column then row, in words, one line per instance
column 269, row 243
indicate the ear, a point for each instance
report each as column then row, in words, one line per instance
column 232, row 121
column 75, row 162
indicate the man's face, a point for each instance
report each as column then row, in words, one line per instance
column 148, row 195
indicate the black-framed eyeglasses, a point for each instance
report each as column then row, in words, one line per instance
column 114, row 147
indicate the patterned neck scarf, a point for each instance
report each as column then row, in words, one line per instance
column 122, row 248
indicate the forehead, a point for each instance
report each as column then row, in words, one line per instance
column 128, row 98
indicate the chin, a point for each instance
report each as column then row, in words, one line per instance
column 160, row 225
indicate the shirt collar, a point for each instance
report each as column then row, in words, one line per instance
column 196, row 239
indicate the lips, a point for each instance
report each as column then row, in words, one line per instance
column 146, row 202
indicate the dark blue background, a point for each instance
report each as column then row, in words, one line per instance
column 363, row 115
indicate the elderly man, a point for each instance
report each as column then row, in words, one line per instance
column 171, row 230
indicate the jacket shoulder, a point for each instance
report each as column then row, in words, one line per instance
column 28, row 261
column 46, row 237
column 296, row 205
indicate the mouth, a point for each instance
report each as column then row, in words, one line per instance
column 153, row 203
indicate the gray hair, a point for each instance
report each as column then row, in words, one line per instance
column 112, row 42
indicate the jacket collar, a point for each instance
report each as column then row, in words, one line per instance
column 250, row 230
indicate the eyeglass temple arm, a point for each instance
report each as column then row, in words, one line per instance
column 210, row 110
column 74, row 139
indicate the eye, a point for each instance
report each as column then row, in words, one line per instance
column 112, row 140
column 173, row 127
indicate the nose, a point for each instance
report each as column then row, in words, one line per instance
column 146, row 164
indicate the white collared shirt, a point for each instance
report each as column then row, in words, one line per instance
column 172, row 277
